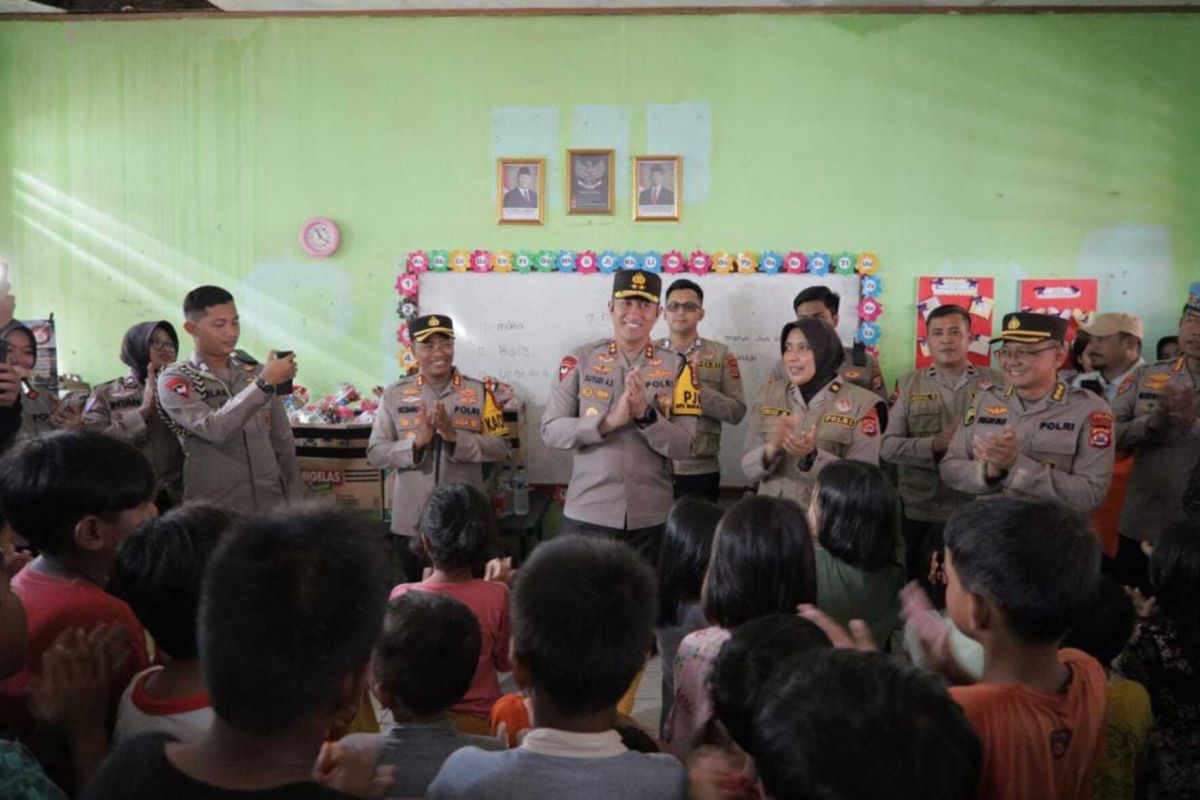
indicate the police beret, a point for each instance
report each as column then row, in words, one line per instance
column 637, row 283
column 422, row 328
column 1025, row 327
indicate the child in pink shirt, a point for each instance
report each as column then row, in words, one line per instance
column 454, row 532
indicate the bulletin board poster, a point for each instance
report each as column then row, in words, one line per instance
column 45, row 371
column 1072, row 299
column 976, row 295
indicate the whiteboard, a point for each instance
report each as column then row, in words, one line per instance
column 517, row 328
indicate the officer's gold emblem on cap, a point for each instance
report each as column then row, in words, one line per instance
column 1014, row 323
column 639, row 280
column 434, row 322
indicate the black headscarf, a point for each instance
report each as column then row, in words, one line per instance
column 135, row 347
column 827, row 350
column 17, row 325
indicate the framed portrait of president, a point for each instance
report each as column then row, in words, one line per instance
column 657, row 187
column 589, row 181
column 520, row 190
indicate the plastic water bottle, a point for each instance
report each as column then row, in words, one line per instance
column 520, row 495
column 505, row 490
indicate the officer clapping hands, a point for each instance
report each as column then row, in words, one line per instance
column 997, row 452
column 1176, row 408
column 441, row 421
column 786, row 437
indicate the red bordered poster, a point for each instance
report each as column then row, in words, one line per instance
column 976, row 295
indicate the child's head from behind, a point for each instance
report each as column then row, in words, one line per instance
column 747, row 663
column 683, row 557
column 583, row 617
column 1105, row 626
column 762, row 562
column 854, row 511
column 426, row 655
column 76, row 494
column 1025, row 568
column 1175, row 574
column 290, row 607
column 845, row 725
column 160, row 569
column 456, row 526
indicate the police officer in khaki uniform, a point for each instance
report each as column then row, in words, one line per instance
column 859, row 367
column 811, row 417
column 1035, row 437
column 125, row 408
column 720, row 390
column 926, row 409
column 437, row 426
column 238, row 451
column 1157, row 420
column 626, row 408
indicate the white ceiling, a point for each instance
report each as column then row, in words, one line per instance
column 343, row 6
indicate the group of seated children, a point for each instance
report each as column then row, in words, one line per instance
column 198, row 655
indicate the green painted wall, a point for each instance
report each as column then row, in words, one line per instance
column 138, row 159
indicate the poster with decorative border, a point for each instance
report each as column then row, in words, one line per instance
column 1072, row 299
column 976, row 295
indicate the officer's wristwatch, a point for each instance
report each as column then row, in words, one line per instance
column 648, row 418
column 266, row 387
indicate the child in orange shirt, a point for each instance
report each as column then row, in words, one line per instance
column 1020, row 574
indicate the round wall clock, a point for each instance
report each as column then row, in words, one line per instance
column 320, row 237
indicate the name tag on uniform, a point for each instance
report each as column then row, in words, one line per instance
column 775, row 412
column 1056, row 426
column 923, row 397
column 840, row 419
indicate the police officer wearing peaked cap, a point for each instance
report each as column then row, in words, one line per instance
column 625, row 408
column 1036, row 437
column 437, row 426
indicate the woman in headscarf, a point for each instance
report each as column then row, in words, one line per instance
column 125, row 407
column 810, row 417
column 41, row 410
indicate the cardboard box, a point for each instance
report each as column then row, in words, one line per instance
column 333, row 464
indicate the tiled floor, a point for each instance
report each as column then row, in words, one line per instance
column 646, row 708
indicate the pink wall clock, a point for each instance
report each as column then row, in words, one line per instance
column 320, row 237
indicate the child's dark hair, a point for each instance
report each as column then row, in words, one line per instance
column 1163, row 344
column 858, row 514
column 48, row 484
column 456, row 525
column 198, row 301
column 290, row 607
column 583, row 620
column 846, row 725
column 762, row 562
column 748, row 661
column 428, row 651
column 683, row 557
column 1036, row 560
column 1175, row 575
column 159, row 571
column 1105, row 627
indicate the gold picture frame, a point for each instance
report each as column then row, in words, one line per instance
column 649, row 195
column 590, row 180
column 517, row 202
